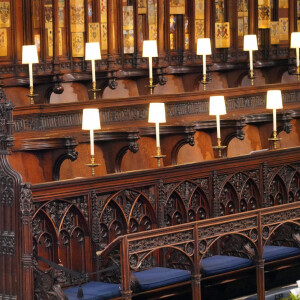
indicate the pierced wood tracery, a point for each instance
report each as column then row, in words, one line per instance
column 186, row 202
column 61, row 234
column 239, row 193
column 124, row 212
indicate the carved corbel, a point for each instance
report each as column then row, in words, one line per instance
column 285, row 119
column 172, row 139
column 229, row 129
column 62, row 149
column 70, row 154
column 115, row 145
column 187, row 140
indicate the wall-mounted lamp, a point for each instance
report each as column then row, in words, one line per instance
column 250, row 44
column 92, row 53
column 157, row 115
column 91, row 122
column 295, row 43
column 150, row 50
column 30, row 56
column 204, row 48
column 274, row 101
column 216, row 108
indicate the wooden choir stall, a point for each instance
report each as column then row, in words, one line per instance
column 149, row 149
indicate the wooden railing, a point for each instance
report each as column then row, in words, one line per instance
column 74, row 218
column 195, row 240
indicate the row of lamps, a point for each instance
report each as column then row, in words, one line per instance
column 157, row 115
column 92, row 53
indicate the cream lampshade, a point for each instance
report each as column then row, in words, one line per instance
column 216, row 108
column 30, row 56
column 91, row 119
column 250, row 44
column 157, row 114
column 274, row 101
column 204, row 48
column 92, row 52
column 150, row 50
column 295, row 43
column 91, row 122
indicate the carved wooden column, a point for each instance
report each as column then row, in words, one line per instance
column 56, row 67
column 160, row 30
column 112, row 32
column 15, row 232
column 252, row 16
column 260, row 276
column 208, row 18
column 27, row 210
column 27, row 22
column 292, row 11
column 196, row 276
column 125, row 270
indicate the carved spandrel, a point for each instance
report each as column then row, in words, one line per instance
column 255, row 175
column 151, row 243
column 238, row 180
column 286, row 173
column 185, row 190
column 282, row 216
column 226, row 227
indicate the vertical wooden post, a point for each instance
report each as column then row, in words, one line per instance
column 56, row 66
column 26, row 208
column 112, row 29
column 208, row 18
column 161, row 28
column 125, row 270
column 196, row 276
column 292, row 18
column 252, row 16
column 260, row 276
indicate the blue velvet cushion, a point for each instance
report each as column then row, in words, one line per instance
column 158, row 277
column 277, row 252
column 221, row 264
column 95, row 290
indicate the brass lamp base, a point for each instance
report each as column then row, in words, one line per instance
column 219, row 147
column 274, row 139
column 251, row 76
column 158, row 156
column 94, row 90
column 151, row 86
column 31, row 95
column 204, row 82
column 92, row 165
column 297, row 73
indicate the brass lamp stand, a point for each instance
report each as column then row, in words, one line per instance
column 219, row 147
column 158, row 156
column 92, row 165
